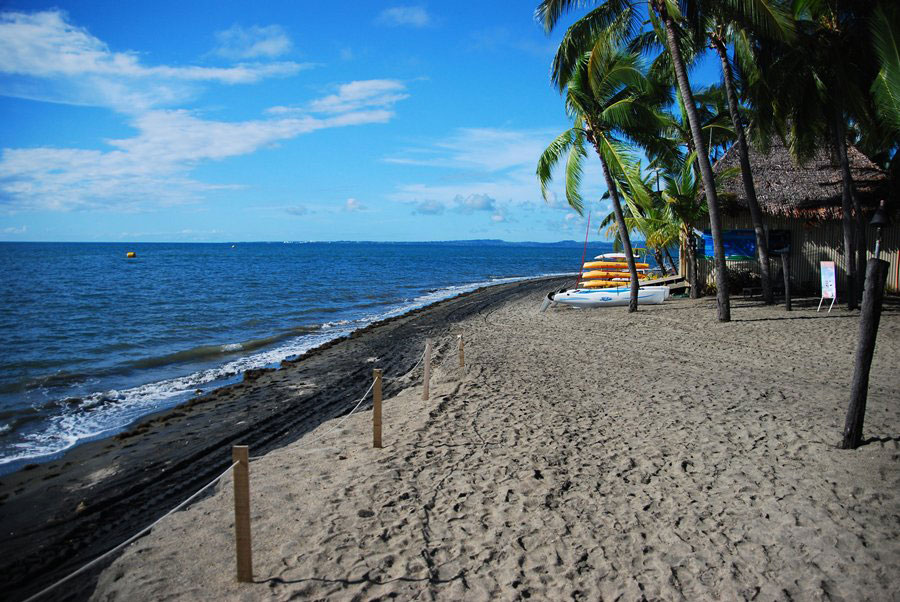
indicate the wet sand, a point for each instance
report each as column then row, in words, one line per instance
column 55, row 517
column 582, row 454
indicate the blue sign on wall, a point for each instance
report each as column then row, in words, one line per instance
column 739, row 244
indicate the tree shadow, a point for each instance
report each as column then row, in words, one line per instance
column 884, row 439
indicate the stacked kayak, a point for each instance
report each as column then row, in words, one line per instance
column 606, row 282
column 609, row 271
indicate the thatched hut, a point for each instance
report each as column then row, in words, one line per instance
column 801, row 204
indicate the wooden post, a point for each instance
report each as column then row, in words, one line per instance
column 786, row 268
column 241, row 455
column 870, row 315
column 376, row 409
column 426, row 378
column 462, row 353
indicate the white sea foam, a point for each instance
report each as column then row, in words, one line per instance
column 232, row 347
column 104, row 413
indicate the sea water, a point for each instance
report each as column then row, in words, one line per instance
column 90, row 340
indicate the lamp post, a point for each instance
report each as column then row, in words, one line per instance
column 879, row 220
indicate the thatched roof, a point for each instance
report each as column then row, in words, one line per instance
column 809, row 191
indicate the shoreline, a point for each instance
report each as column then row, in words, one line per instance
column 227, row 379
column 57, row 516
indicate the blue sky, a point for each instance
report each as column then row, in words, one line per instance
column 237, row 121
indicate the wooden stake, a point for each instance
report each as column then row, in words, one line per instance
column 376, row 409
column 870, row 315
column 462, row 353
column 786, row 267
column 241, row 455
column 426, row 379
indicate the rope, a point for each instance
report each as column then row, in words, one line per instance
column 133, row 537
column 361, row 399
column 198, row 492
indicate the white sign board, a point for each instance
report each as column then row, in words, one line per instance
column 829, row 285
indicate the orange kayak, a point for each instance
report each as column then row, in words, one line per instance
column 613, row 264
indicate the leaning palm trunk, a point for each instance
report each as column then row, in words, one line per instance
column 715, row 222
column 671, row 261
column 623, row 233
column 693, row 279
column 762, row 250
column 840, row 144
column 657, row 254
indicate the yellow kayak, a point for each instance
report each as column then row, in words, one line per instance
column 604, row 283
column 613, row 264
column 604, row 275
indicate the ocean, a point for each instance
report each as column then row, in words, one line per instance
column 91, row 341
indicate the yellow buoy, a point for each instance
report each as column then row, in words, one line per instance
column 130, row 254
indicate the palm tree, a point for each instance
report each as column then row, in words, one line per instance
column 646, row 213
column 813, row 89
column 622, row 20
column 723, row 26
column 606, row 97
column 886, row 88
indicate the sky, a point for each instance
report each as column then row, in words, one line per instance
column 235, row 121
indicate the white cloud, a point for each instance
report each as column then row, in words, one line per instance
column 152, row 167
column 474, row 202
column 14, row 230
column 487, row 169
column 353, row 205
column 483, row 149
column 253, row 42
column 429, row 208
column 361, row 94
column 398, row 16
column 44, row 57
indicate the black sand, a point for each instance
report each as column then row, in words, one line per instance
column 56, row 517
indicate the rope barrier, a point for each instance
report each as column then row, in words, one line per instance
column 344, row 419
column 197, row 493
column 132, row 538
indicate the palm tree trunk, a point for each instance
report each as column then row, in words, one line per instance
column 840, row 144
column 861, row 245
column 671, row 261
column 709, row 185
column 762, row 250
column 657, row 254
column 693, row 279
column 623, row 233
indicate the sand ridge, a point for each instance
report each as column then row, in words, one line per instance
column 582, row 454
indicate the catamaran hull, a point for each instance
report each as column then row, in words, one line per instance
column 609, row 297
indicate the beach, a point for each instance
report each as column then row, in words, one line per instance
column 57, row 516
column 579, row 454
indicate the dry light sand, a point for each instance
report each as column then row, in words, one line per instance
column 583, row 454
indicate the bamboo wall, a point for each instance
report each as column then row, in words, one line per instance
column 810, row 244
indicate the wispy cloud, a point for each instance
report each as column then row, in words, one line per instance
column 429, row 207
column 489, row 170
column 404, row 16
column 44, row 57
column 482, row 149
column 152, row 167
column 297, row 210
column 353, row 96
column 253, row 42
